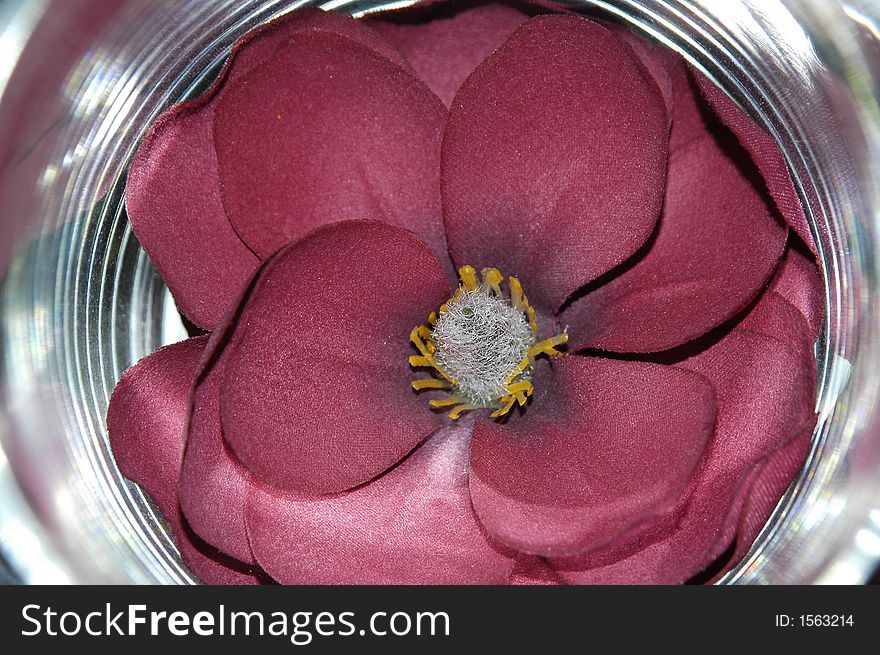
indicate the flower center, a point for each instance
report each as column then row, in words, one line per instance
column 481, row 345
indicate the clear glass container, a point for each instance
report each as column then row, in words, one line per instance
column 80, row 82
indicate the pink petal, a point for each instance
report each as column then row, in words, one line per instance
column 554, row 157
column 173, row 191
column 316, row 394
column 800, row 282
column 652, row 59
column 328, row 130
column 532, row 571
column 770, row 482
column 774, row 316
column 443, row 51
column 147, row 422
column 717, row 244
column 173, row 203
column 212, row 483
column 609, row 448
column 765, row 397
column 764, row 152
column 413, row 525
column 689, row 109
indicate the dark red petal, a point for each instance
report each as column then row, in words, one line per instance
column 212, row 483
column 173, row 191
column 554, row 157
column 325, row 131
column 444, row 51
column 652, row 58
column 316, row 393
column 173, row 203
column 800, row 282
column 765, row 153
column 147, row 422
column 774, row 316
column 609, row 447
column 413, row 525
column 689, row 110
column 717, row 244
column 768, row 485
column 531, row 570
column 765, row 393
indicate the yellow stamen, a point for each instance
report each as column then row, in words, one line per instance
column 508, row 405
column 445, row 402
column 468, row 277
column 457, row 411
column 430, row 383
column 548, row 346
column 492, row 280
column 455, row 335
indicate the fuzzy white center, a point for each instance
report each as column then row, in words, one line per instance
column 480, row 340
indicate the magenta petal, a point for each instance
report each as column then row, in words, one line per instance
column 413, row 525
column 765, row 153
column 800, row 282
column 765, row 397
column 147, row 421
column 532, row 571
column 717, row 244
column 316, row 394
column 609, row 447
column 768, row 485
column 328, row 130
column 173, row 203
column 212, row 483
column 689, row 110
column 554, row 157
column 173, row 191
column 444, row 51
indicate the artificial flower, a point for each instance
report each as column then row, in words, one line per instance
column 311, row 210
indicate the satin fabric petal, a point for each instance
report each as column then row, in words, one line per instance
column 212, row 482
column 173, row 191
column 412, row 525
column 609, row 448
column 799, row 280
column 533, row 571
column 770, row 482
column 764, row 152
column 443, row 51
column 147, row 421
column 717, row 244
column 554, row 157
column 316, row 394
column 765, row 394
column 328, row 130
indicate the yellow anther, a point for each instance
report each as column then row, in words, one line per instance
column 457, row 411
column 432, row 318
column 430, row 383
column 548, row 346
column 468, row 277
column 522, row 366
column 521, row 397
column 508, row 405
column 523, row 386
column 516, row 292
column 492, row 279
column 421, row 338
column 427, row 360
column 445, row 402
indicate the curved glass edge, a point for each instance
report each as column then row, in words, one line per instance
column 833, row 506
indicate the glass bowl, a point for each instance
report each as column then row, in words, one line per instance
column 80, row 82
